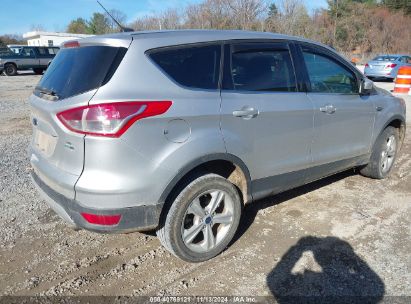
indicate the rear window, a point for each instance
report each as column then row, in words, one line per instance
column 385, row 58
column 77, row 70
column 194, row 66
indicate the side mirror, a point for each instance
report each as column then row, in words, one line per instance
column 366, row 86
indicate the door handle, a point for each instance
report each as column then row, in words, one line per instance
column 329, row 109
column 246, row 113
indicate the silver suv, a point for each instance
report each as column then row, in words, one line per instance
column 178, row 130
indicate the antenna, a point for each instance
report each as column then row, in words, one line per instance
column 123, row 29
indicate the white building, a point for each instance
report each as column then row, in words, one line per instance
column 50, row 38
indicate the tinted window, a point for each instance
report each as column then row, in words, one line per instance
column 385, row 58
column 267, row 70
column 329, row 76
column 28, row 52
column 196, row 67
column 77, row 70
column 53, row 51
column 43, row 51
column 405, row 59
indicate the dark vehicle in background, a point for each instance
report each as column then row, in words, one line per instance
column 386, row 66
column 30, row 58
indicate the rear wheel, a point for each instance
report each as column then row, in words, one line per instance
column 38, row 71
column 10, row 69
column 383, row 155
column 202, row 220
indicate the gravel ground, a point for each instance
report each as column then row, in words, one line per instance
column 344, row 235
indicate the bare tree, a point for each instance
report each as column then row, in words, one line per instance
column 37, row 28
column 352, row 25
column 247, row 13
column 119, row 16
column 292, row 19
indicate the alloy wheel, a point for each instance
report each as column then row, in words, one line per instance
column 388, row 154
column 207, row 220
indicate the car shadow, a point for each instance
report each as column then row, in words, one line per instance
column 382, row 80
column 250, row 210
column 324, row 270
column 21, row 74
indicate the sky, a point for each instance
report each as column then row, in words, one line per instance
column 54, row 15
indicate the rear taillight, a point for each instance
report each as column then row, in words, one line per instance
column 105, row 220
column 110, row 119
column 367, row 65
column 392, row 65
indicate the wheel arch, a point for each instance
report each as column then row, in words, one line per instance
column 398, row 122
column 224, row 164
column 10, row 62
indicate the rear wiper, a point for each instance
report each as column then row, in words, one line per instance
column 44, row 91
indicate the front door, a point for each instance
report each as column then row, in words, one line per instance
column 28, row 58
column 343, row 119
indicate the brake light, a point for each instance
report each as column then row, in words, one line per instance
column 110, row 119
column 71, row 44
column 106, row 220
column 367, row 65
column 392, row 65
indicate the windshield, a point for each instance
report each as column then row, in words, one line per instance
column 5, row 52
column 77, row 70
column 385, row 58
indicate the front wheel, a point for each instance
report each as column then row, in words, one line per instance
column 10, row 69
column 202, row 220
column 383, row 154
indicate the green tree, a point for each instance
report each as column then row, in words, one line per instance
column 99, row 24
column 78, row 26
column 272, row 10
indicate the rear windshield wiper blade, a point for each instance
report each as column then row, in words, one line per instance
column 45, row 91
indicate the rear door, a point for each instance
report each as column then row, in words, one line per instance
column 44, row 56
column 343, row 119
column 266, row 120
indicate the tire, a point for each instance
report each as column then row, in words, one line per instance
column 183, row 230
column 383, row 155
column 10, row 69
column 38, row 71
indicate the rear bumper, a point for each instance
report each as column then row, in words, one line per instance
column 380, row 74
column 138, row 218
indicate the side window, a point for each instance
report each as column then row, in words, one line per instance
column 28, row 52
column 52, row 51
column 265, row 70
column 42, row 51
column 329, row 76
column 195, row 66
column 405, row 59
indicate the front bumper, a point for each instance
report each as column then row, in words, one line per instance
column 139, row 218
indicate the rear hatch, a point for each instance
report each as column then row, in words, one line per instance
column 72, row 79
